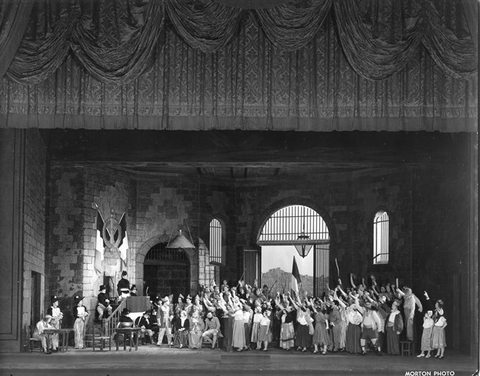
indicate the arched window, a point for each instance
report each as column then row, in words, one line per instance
column 215, row 241
column 380, row 238
column 299, row 233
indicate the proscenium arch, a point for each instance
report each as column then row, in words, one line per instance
column 305, row 219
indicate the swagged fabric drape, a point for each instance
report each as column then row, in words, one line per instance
column 306, row 65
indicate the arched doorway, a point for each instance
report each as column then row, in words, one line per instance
column 166, row 271
column 295, row 231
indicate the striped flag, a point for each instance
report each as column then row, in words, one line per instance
column 295, row 277
column 99, row 245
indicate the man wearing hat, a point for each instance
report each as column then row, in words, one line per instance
column 104, row 308
column 164, row 321
column 56, row 321
column 123, row 286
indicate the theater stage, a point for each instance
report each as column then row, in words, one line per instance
column 153, row 360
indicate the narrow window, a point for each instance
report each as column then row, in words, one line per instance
column 215, row 241
column 380, row 238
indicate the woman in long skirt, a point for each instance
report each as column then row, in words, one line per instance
column 302, row 335
column 287, row 333
column 80, row 314
column 320, row 336
column 257, row 317
column 354, row 330
column 394, row 326
column 238, row 338
column 182, row 327
column 426, row 343
column 196, row 330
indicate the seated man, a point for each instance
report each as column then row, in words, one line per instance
column 145, row 326
column 212, row 329
column 40, row 335
column 104, row 309
column 133, row 291
column 125, row 321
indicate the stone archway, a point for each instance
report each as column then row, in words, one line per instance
column 192, row 255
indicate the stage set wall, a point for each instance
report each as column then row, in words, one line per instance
column 48, row 225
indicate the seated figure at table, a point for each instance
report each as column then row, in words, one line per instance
column 181, row 326
column 145, row 324
column 80, row 314
column 39, row 334
column 104, row 309
column 125, row 321
column 56, row 321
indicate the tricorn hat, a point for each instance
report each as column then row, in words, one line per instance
column 102, row 287
column 54, row 299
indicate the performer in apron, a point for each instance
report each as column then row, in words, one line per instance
column 123, row 286
column 80, row 314
column 56, row 321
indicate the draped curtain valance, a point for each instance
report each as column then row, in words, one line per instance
column 115, row 40
column 185, row 64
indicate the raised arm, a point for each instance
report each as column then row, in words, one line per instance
column 352, row 276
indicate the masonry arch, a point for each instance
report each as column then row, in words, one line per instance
column 157, row 243
column 295, row 229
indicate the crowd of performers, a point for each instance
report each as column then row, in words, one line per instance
column 355, row 319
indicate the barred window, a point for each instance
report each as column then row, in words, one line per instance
column 380, row 238
column 215, row 241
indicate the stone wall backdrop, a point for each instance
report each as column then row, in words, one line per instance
column 65, row 254
column 347, row 203
column 34, row 227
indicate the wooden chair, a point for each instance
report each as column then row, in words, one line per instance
column 208, row 344
column 31, row 342
column 407, row 348
column 101, row 341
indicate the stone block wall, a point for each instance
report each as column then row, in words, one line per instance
column 34, row 226
column 65, row 254
column 347, row 203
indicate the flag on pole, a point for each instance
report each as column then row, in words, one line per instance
column 123, row 246
column 295, row 277
column 100, row 244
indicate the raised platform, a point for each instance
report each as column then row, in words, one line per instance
column 151, row 359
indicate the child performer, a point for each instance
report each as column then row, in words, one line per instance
column 264, row 330
column 426, row 344
column 438, row 335
column 257, row 317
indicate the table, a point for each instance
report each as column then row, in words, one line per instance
column 63, row 335
column 132, row 334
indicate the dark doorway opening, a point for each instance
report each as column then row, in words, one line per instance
column 36, row 297
column 166, row 271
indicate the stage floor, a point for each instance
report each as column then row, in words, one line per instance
column 153, row 360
